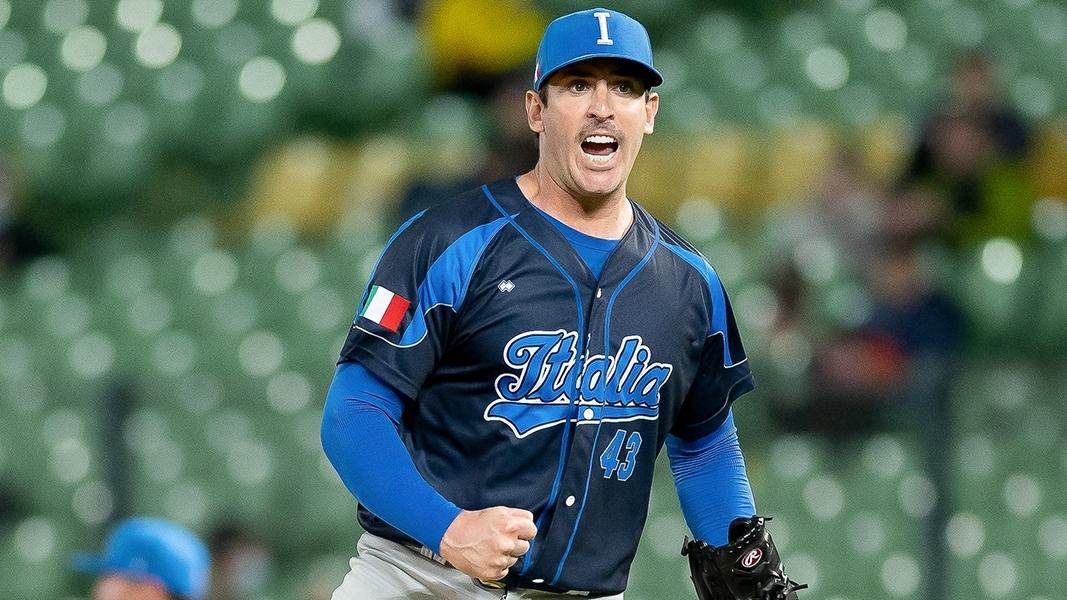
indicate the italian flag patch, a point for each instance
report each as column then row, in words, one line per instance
column 385, row 308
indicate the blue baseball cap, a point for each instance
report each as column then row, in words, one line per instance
column 594, row 33
column 148, row 549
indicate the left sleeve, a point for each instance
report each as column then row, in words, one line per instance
column 712, row 484
column 417, row 287
column 723, row 374
column 360, row 438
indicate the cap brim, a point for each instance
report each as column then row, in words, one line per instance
column 652, row 76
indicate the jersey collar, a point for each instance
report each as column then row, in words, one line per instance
column 630, row 250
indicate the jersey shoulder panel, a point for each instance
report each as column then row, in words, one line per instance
column 447, row 221
column 670, row 236
column 689, row 258
column 418, row 284
column 720, row 314
column 441, row 242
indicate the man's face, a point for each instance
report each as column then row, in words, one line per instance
column 117, row 587
column 592, row 126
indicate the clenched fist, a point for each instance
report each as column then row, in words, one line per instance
column 486, row 543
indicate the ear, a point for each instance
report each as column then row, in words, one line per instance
column 534, row 112
column 651, row 108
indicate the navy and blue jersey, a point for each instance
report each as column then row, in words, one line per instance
column 531, row 383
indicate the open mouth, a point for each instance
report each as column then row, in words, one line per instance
column 600, row 148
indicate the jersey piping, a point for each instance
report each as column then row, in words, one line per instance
column 603, row 382
column 564, row 443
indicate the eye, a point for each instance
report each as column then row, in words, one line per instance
column 625, row 87
column 579, row 86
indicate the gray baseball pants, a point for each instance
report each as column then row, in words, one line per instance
column 386, row 570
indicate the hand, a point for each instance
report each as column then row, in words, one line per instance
column 486, row 543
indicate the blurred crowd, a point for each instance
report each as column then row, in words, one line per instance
column 895, row 367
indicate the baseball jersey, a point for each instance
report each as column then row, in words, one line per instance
column 535, row 385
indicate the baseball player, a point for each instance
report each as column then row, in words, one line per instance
column 148, row 559
column 525, row 350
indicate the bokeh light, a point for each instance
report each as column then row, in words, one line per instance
column 1002, row 261
column 158, row 45
column 261, row 79
column 24, row 85
column 101, row 85
column 886, row 29
column 138, row 15
column 827, row 68
column 293, row 12
column 83, row 48
column 316, row 42
column 214, row 13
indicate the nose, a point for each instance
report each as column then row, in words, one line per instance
column 600, row 106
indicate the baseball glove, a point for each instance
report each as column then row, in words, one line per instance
column 748, row 568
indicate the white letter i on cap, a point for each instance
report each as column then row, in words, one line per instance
column 604, row 39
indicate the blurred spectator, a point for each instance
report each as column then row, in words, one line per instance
column 847, row 210
column 148, row 559
column 511, row 148
column 12, row 506
column 929, row 329
column 968, row 162
column 907, row 309
column 472, row 43
column 18, row 242
column 242, row 566
column 839, row 225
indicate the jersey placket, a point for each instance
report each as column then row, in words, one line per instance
column 505, row 201
column 587, row 442
column 577, row 470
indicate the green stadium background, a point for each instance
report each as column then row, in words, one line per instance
column 206, row 183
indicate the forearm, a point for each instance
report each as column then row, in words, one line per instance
column 360, row 438
column 712, row 484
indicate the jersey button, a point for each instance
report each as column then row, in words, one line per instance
column 588, row 414
column 599, row 292
column 569, row 501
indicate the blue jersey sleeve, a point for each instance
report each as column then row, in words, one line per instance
column 360, row 438
column 723, row 374
column 712, row 484
column 417, row 287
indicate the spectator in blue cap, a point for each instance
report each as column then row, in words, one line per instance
column 148, row 559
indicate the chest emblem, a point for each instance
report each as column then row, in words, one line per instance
column 550, row 384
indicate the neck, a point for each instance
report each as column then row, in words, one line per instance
column 607, row 217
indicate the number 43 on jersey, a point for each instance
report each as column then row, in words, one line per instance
column 615, row 459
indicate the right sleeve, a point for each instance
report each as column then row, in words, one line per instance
column 401, row 325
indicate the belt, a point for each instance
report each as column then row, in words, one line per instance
column 430, row 554
column 437, row 558
column 492, row 585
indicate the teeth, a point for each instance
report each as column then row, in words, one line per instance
column 600, row 159
column 601, row 139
